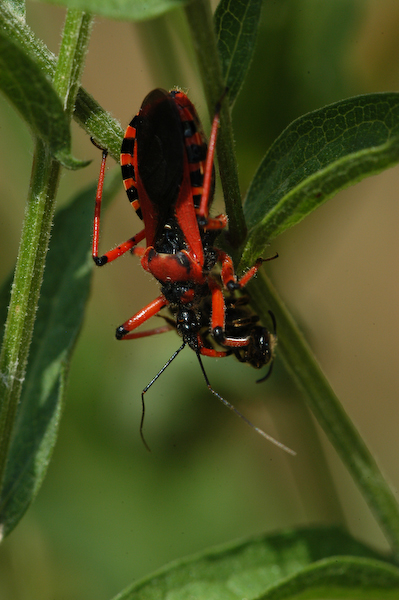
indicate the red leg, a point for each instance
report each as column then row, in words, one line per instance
column 207, row 185
column 216, row 223
column 218, row 319
column 126, row 246
column 213, row 353
column 148, row 332
column 141, row 317
column 228, row 276
column 251, row 272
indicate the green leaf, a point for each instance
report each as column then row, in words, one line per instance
column 250, row 568
column 132, row 10
column 236, row 23
column 32, row 93
column 315, row 157
column 65, row 290
column 337, row 577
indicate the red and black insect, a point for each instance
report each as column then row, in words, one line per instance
column 168, row 174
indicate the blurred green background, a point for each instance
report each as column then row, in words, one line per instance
column 109, row 512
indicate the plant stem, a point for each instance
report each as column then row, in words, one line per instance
column 327, row 409
column 35, row 237
column 25, row 291
column 201, row 25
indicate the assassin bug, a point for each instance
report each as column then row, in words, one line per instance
column 168, row 175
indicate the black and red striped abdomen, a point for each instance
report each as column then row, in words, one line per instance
column 163, row 144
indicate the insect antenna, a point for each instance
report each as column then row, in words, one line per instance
column 147, row 387
column 237, row 412
column 268, row 373
column 273, row 318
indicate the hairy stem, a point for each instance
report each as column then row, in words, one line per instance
column 35, row 237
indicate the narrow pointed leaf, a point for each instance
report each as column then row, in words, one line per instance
column 32, row 93
column 132, row 10
column 61, row 307
column 236, row 23
column 251, row 568
column 315, row 157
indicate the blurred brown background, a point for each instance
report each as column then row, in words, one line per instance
column 109, row 512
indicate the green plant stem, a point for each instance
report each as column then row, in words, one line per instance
column 25, row 292
column 327, row 409
column 201, row 25
column 35, row 237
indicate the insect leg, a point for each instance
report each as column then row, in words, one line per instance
column 139, row 318
column 122, row 248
